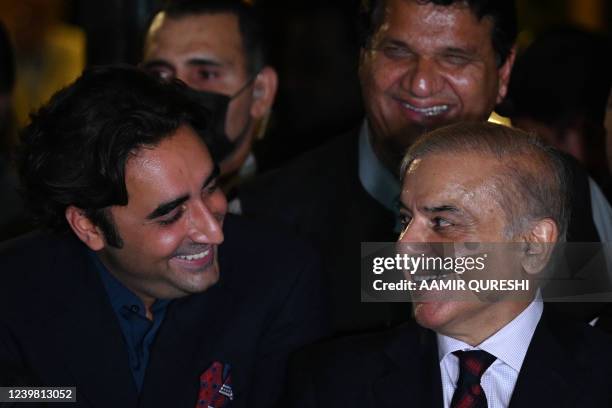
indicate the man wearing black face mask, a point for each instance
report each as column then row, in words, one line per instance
column 216, row 48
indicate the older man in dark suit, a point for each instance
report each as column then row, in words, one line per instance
column 505, row 349
column 145, row 293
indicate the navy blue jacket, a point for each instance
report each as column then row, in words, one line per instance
column 57, row 325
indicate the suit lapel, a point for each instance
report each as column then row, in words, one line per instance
column 548, row 376
column 413, row 378
column 186, row 346
column 87, row 335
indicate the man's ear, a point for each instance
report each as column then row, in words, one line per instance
column 264, row 92
column 84, row 228
column 503, row 74
column 540, row 243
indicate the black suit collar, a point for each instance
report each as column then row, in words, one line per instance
column 185, row 348
column 413, row 376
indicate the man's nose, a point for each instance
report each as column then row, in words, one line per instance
column 422, row 79
column 206, row 222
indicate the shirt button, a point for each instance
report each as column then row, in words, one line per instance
column 135, row 308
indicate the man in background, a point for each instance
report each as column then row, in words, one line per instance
column 216, row 47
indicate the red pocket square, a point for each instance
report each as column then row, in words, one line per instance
column 215, row 386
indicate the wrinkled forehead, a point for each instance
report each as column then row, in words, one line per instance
column 452, row 178
column 399, row 18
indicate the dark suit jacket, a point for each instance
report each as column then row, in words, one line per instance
column 320, row 197
column 566, row 365
column 56, row 322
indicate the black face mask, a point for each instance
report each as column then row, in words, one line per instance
column 217, row 104
column 220, row 147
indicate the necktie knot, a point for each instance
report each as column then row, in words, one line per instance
column 474, row 363
column 469, row 392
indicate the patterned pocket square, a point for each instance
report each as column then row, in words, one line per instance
column 215, row 387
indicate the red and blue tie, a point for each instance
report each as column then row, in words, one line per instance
column 472, row 365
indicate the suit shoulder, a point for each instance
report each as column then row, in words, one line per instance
column 255, row 252
column 586, row 344
column 307, row 171
column 29, row 251
column 32, row 267
column 350, row 354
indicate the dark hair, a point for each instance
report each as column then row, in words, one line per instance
column 564, row 75
column 501, row 12
column 249, row 23
column 532, row 182
column 75, row 150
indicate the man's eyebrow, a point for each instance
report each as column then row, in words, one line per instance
column 165, row 208
column 442, row 208
column 203, row 62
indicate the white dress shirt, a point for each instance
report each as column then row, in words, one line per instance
column 509, row 345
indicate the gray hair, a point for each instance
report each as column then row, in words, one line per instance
column 532, row 182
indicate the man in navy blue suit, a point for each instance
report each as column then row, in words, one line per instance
column 144, row 292
column 504, row 349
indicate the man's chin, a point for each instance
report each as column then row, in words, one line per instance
column 432, row 315
column 195, row 280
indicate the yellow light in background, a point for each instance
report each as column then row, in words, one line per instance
column 587, row 13
column 500, row 120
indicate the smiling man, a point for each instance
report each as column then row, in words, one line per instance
column 423, row 64
column 459, row 186
column 144, row 292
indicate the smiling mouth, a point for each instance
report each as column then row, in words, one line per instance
column 196, row 260
column 430, row 112
column 194, row 257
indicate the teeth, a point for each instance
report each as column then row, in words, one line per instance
column 433, row 111
column 195, row 256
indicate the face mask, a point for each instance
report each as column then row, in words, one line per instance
column 217, row 104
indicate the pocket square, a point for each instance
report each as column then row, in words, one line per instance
column 215, row 386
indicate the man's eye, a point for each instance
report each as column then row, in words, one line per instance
column 405, row 220
column 163, row 74
column 172, row 217
column 208, row 74
column 396, row 52
column 439, row 222
column 211, row 187
column 456, row 60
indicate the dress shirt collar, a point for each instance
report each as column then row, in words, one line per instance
column 517, row 333
column 122, row 298
column 375, row 178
